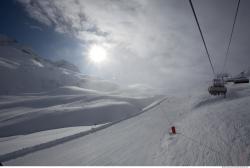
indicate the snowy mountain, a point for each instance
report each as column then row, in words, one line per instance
column 35, row 91
column 5, row 40
column 67, row 65
column 22, row 71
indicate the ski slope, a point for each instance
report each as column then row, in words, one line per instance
column 210, row 131
column 43, row 103
column 14, row 145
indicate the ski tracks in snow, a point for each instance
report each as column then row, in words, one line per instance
column 213, row 134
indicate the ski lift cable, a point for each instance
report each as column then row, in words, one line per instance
column 196, row 19
column 231, row 35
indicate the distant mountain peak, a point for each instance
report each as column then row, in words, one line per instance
column 5, row 40
column 67, row 65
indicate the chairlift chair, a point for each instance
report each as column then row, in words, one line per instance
column 218, row 88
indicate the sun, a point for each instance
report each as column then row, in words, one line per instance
column 97, row 54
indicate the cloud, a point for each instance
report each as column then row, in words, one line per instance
column 155, row 42
column 35, row 27
column 65, row 16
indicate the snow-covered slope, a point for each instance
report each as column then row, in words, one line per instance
column 28, row 114
column 22, row 71
column 19, row 143
column 210, row 131
column 65, row 64
column 38, row 95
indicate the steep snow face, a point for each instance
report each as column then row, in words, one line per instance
column 21, row 72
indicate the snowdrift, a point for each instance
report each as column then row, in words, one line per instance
column 60, row 108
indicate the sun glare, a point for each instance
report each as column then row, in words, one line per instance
column 97, row 54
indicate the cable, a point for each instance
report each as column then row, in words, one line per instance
column 231, row 35
column 196, row 19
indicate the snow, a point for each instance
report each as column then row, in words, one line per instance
column 71, row 90
column 66, row 65
column 21, row 142
column 210, row 131
column 27, row 114
column 37, row 63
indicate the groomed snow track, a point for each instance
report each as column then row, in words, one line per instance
column 25, row 151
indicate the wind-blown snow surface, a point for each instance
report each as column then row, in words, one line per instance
column 210, row 131
column 38, row 112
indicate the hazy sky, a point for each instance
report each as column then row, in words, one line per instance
column 153, row 42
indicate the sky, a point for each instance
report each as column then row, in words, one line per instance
column 155, row 42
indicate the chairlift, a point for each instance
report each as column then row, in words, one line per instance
column 241, row 80
column 218, row 87
column 229, row 79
